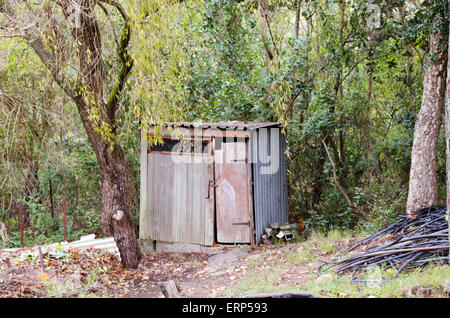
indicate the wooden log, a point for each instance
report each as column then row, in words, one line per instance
column 169, row 289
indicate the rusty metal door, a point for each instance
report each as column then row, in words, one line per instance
column 233, row 217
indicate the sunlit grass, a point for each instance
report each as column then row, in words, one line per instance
column 258, row 282
column 430, row 282
column 266, row 270
column 58, row 288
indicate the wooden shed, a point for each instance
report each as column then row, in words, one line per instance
column 212, row 183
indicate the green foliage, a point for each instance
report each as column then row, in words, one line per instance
column 39, row 226
column 340, row 80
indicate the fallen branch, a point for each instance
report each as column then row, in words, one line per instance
column 169, row 289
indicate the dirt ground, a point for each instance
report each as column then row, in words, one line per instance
column 96, row 273
column 225, row 271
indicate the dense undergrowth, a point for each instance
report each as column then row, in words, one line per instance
column 334, row 80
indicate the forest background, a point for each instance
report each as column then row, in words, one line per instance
column 344, row 76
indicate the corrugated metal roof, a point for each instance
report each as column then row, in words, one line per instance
column 230, row 125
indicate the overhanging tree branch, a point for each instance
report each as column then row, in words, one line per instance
column 126, row 61
column 30, row 34
column 48, row 59
column 118, row 7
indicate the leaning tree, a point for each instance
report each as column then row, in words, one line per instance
column 67, row 37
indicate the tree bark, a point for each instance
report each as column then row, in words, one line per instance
column 297, row 19
column 116, row 187
column 423, row 190
column 97, row 115
column 96, row 112
column 447, row 137
column 116, row 190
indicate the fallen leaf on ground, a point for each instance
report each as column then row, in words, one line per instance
column 43, row 277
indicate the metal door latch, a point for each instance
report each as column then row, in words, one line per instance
column 211, row 184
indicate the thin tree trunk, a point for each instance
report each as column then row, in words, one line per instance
column 264, row 27
column 423, row 190
column 297, row 19
column 338, row 88
column 51, row 197
column 369, row 87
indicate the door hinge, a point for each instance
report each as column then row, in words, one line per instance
column 242, row 223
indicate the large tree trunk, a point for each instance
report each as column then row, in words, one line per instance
column 447, row 137
column 423, row 190
column 98, row 114
column 116, row 192
column 116, row 188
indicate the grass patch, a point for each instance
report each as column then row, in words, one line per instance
column 430, row 282
column 268, row 271
column 58, row 288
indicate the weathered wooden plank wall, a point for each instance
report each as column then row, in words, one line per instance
column 178, row 207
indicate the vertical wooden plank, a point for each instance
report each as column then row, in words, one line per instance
column 167, row 202
column 184, row 221
column 199, row 202
column 181, row 225
column 161, row 205
column 209, row 204
column 193, row 212
column 160, row 183
column 143, row 213
column 196, row 202
column 172, row 205
column 150, row 217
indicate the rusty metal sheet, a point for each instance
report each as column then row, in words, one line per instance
column 233, row 220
